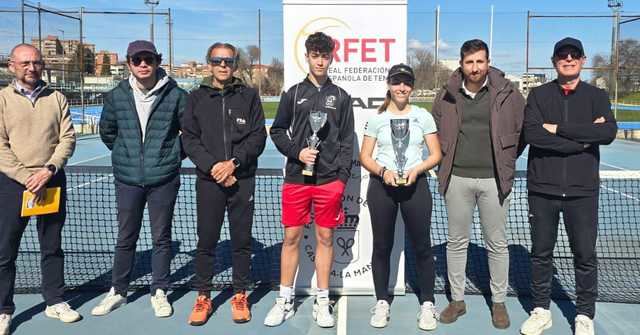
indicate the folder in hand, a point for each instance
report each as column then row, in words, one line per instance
column 50, row 204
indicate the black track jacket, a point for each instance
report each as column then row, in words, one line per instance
column 291, row 129
column 567, row 163
column 220, row 124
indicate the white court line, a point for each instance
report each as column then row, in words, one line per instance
column 69, row 189
column 614, row 166
column 342, row 315
column 89, row 160
column 610, row 189
column 626, row 140
column 601, row 162
column 621, row 193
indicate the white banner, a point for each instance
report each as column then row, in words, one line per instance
column 370, row 37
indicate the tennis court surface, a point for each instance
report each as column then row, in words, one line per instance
column 91, row 230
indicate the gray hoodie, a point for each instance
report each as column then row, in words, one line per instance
column 144, row 100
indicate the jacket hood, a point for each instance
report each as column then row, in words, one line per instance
column 163, row 80
column 235, row 83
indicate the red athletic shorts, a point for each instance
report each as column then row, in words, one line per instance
column 326, row 200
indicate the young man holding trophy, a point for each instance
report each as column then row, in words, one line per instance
column 398, row 181
column 313, row 128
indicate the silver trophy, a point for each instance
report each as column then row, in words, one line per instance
column 317, row 119
column 400, row 142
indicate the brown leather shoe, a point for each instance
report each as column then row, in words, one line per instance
column 499, row 316
column 454, row 310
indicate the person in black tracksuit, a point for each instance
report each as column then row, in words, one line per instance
column 224, row 133
column 334, row 160
column 565, row 122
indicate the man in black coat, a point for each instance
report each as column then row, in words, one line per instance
column 566, row 121
column 223, row 133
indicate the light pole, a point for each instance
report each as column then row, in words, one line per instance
column 63, row 56
column 152, row 4
column 616, row 6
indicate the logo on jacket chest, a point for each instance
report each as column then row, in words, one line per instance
column 330, row 102
column 239, row 121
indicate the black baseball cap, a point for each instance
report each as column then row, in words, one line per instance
column 568, row 42
column 139, row 46
column 401, row 70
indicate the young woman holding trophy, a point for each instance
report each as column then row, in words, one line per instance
column 398, row 180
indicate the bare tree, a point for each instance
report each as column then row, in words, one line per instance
column 254, row 54
column 244, row 67
column 629, row 71
column 248, row 57
column 628, row 67
column 603, row 73
column 272, row 85
column 423, row 63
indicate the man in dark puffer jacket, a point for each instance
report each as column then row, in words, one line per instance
column 140, row 124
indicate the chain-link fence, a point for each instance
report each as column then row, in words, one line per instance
column 520, row 44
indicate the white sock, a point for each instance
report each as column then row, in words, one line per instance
column 287, row 293
column 322, row 293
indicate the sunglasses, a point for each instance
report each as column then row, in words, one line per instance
column 137, row 60
column 228, row 61
column 563, row 54
column 401, row 80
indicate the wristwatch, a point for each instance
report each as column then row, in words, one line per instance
column 51, row 168
column 236, row 162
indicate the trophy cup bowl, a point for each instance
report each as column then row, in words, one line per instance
column 317, row 120
column 400, row 142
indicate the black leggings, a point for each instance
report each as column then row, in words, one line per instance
column 415, row 206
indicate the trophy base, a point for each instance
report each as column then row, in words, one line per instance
column 307, row 173
column 401, row 181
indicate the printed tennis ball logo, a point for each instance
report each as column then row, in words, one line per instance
column 329, row 25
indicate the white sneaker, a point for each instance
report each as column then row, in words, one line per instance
column 281, row 311
column 323, row 313
column 584, row 325
column 539, row 321
column 63, row 312
column 380, row 317
column 161, row 305
column 110, row 302
column 428, row 316
column 5, row 324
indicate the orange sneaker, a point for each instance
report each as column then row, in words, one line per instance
column 240, row 312
column 201, row 311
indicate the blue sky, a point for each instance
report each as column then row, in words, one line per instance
column 199, row 23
